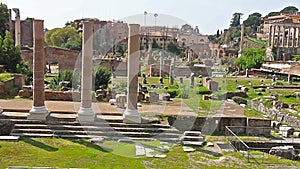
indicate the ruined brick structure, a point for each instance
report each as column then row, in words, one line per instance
column 26, row 31
column 66, row 59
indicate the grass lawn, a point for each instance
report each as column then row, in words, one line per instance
column 53, row 152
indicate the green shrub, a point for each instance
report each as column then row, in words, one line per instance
column 279, row 84
column 239, row 100
column 203, row 90
column 101, row 77
column 174, row 91
column 65, row 75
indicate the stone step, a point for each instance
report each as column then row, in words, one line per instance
column 30, row 123
column 192, row 133
column 32, row 135
column 192, row 138
column 194, row 143
column 97, row 133
column 13, row 115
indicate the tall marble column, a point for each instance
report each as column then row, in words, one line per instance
column 17, row 27
column 38, row 110
column 86, row 113
column 131, row 114
column 293, row 37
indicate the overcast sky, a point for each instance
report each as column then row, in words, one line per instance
column 208, row 15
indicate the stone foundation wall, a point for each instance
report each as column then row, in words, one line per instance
column 62, row 95
column 16, row 81
column 218, row 124
column 276, row 114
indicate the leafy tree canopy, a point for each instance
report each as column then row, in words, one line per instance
column 251, row 58
column 173, row 48
column 289, row 10
column 253, row 21
column 67, row 38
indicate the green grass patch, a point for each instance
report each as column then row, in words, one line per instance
column 79, row 153
column 248, row 112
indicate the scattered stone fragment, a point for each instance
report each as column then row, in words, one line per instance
column 149, row 152
column 188, row 149
column 139, row 150
column 210, row 144
column 125, row 140
column 97, row 140
column 112, row 101
column 164, row 143
column 162, row 149
column 160, row 156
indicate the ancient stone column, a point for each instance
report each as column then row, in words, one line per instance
column 38, row 110
column 294, row 37
column 273, row 35
column 283, row 37
column 288, row 37
column 10, row 25
column 86, row 113
column 242, row 40
column 17, row 27
column 171, row 74
column 131, row 114
column 270, row 36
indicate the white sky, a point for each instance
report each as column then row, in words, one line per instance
column 208, row 15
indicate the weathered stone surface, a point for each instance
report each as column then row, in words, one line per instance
column 283, row 151
column 275, row 114
column 6, row 127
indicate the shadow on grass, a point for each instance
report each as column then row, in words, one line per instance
column 38, row 144
column 90, row 145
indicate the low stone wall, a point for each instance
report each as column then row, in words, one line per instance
column 218, row 124
column 6, row 126
column 16, row 81
column 276, row 114
column 62, row 95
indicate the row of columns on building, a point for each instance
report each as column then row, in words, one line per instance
column 287, row 36
column 85, row 113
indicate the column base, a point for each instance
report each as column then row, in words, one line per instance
column 38, row 113
column 132, row 116
column 86, row 115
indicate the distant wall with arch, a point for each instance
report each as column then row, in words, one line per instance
column 66, row 59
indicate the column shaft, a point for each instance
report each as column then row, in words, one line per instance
column 86, row 113
column 131, row 114
column 38, row 111
column 38, row 63
column 87, row 63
